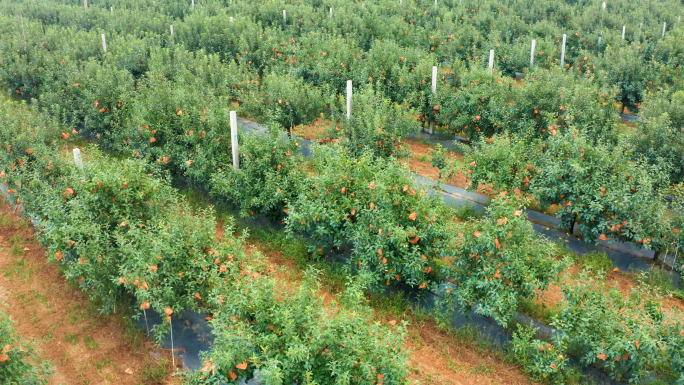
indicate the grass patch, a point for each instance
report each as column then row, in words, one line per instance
column 394, row 303
column 662, row 279
column 596, row 261
column 424, row 158
column 90, row 342
column 5, row 221
column 42, row 298
column 154, row 372
column 101, row 364
column 536, row 310
column 19, row 269
column 72, row 338
column 482, row 368
column 424, row 141
column 466, row 212
column 277, row 241
column 17, row 250
column 133, row 334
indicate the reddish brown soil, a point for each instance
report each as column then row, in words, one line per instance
column 83, row 346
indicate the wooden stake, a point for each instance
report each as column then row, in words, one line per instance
column 173, row 357
column 146, row 325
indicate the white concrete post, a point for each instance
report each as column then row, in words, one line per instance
column 623, row 33
column 491, row 59
column 104, row 43
column 431, row 130
column 349, row 99
column 77, row 158
column 563, row 52
column 664, row 26
column 331, row 12
column 284, row 17
column 172, row 29
column 234, row 140
column 534, row 44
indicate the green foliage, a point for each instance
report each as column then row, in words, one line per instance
column 598, row 262
column 125, row 236
column 659, row 132
column 19, row 360
column 543, row 361
column 491, row 264
column 287, row 100
column 626, row 69
column 624, row 336
column 268, row 179
column 290, row 334
column 504, row 164
column 487, row 104
column 372, row 203
column 377, row 125
column 439, row 158
column 596, row 185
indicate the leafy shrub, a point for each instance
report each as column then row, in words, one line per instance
column 287, row 100
column 376, row 125
column 543, row 361
column 595, row 184
column 269, row 177
column 19, row 361
column 289, row 334
column 491, row 263
column 393, row 224
column 659, row 132
column 622, row 335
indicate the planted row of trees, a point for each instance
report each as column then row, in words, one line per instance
column 308, row 61
column 152, row 98
column 608, row 190
column 126, row 237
